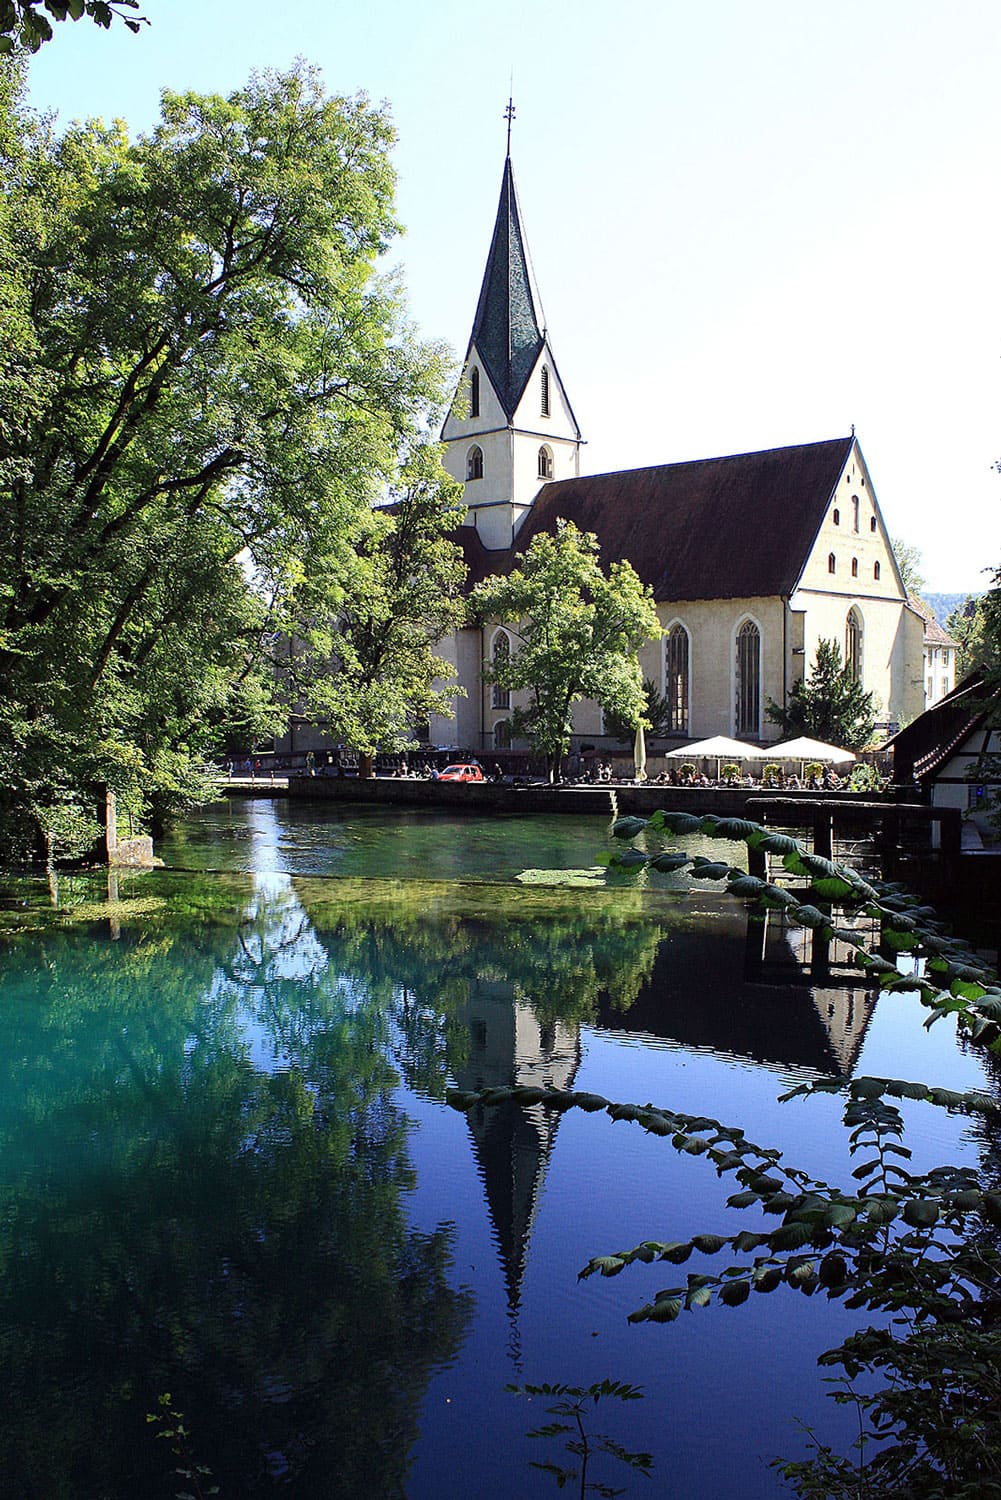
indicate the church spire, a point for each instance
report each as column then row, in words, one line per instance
column 506, row 330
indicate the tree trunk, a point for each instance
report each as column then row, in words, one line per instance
column 365, row 761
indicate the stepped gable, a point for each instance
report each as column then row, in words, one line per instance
column 713, row 528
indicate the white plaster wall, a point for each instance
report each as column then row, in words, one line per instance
column 892, row 646
column 462, row 649
column 866, row 546
column 939, row 672
column 499, row 501
column 712, row 625
column 528, row 416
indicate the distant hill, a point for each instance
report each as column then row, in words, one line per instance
column 945, row 604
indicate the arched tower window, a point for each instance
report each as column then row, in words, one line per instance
column 875, row 571
column 832, row 563
column 854, row 567
column 500, row 655
column 474, row 463
column 474, row 392
column 544, row 391
column 676, row 677
column 855, row 512
column 853, row 644
column 545, row 462
column 748, row 679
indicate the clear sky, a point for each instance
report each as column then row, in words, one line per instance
column 752, row 224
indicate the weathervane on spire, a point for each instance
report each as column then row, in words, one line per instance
column 509, row 116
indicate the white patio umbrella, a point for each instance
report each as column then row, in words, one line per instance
column 720, row 747
column 806, row 749
column 639, row 754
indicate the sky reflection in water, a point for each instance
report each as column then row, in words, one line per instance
column 228, row 1172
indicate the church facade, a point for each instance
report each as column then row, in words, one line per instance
column 753, row 558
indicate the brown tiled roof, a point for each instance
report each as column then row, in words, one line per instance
column 479, row 562
column 935, row 634
column 714, row 528
column 931, row 739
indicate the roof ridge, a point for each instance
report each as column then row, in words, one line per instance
column 693, row 462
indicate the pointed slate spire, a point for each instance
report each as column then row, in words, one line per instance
column 506, row 329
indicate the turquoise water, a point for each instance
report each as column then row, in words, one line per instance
column 228, row 1174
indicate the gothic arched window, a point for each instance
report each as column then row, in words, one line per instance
column 474, row 392
column 500, row 655
column 832, row 563
column 875, row 571
column 544, row 391
column 676, row 678
column 474, row 463
column 855, row 512
column 853, row 644
column 748, row 679
column 545, row 462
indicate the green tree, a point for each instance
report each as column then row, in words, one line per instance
column 976, row 629
column 373, row 672
column 656, row 713
column 577, row 632
column 828, row 703
column 26, row 24
column 910, row 563
column 218, row 386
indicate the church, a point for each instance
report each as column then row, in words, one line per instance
column 752, row 558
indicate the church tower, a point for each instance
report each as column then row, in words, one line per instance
column 511, row 427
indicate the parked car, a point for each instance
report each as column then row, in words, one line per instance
column 462, row 771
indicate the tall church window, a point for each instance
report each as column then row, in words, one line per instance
column 854, row 567
column 676, row 678
column 474, row 463
column 544, row 391
column 832, row 563
column 853, row 644
column 500, row 655
column 855, row 512
column 748, row 697
column 875, row 571
column 474, row 392
column 545, row 463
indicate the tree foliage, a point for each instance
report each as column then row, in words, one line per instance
column 577, row 632
column 828, row 703
column 976, row 629
column 26, row 24
column 910, row 562
column 378, row 677
column 657, row 715
column 213, row 387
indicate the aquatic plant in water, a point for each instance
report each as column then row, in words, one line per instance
column 920, row 1250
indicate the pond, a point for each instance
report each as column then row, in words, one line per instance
column 232, row 1190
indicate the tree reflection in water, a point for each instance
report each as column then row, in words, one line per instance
column 206, row 1153
column 178, row 1217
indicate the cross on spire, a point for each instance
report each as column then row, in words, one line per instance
column 509, row 116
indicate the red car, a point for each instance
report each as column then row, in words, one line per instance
column 462, row 772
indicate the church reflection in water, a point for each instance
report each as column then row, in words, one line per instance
column 508, row 1044
column 760, row 991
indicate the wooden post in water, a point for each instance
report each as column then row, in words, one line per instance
column 823, row 831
